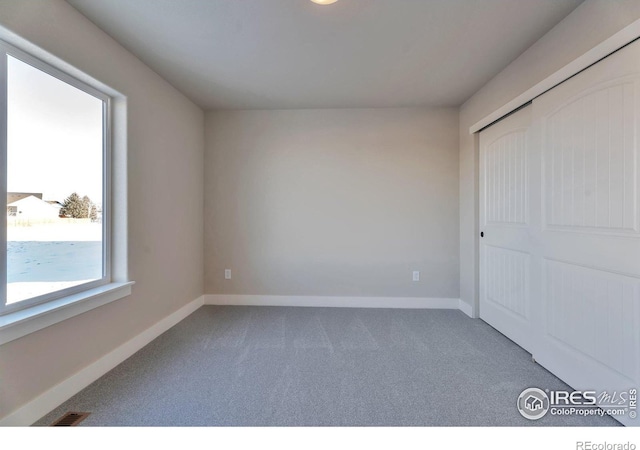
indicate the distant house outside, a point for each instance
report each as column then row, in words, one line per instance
column 32, row 209
column 15, row 196
column 55, row 204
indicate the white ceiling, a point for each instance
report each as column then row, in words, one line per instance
column 267, row 54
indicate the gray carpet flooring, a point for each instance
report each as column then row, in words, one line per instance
column 263, row 366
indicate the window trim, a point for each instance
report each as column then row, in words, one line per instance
column 3, row 163
column 7, row 50
column 29, row 320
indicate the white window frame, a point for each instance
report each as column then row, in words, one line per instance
column 24, row 317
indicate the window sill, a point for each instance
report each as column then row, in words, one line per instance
column 21, row 323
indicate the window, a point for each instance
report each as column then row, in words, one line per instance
column 55, row 154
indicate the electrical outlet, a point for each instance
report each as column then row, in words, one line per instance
column 227, row 274
column 416, row 275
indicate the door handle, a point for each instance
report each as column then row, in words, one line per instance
column 482, row 234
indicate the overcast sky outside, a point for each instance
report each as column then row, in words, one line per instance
column 54, row 136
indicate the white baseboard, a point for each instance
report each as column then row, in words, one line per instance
column 43, row 404
column 342, row 302
column 465, row 308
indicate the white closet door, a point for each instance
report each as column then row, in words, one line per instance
column 505, row 222
column 587, row 304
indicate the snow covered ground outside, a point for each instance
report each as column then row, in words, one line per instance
column 49, row 257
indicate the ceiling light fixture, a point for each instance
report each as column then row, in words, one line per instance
column 324, row 2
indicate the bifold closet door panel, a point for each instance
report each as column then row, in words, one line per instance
column 505, row 221
column 587, row 304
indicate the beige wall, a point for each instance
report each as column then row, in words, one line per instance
column 332, row 202
column 588, row 25
column 165, row 145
